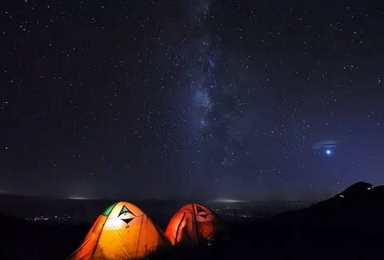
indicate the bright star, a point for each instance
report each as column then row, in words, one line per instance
column 328, row 152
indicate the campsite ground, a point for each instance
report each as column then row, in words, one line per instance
column 339, row 228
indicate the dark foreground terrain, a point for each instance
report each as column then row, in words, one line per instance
column 347, row 226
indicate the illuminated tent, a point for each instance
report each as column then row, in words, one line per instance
column 194, row 224
column 122, row 231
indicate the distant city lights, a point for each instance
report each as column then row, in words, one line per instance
column 66, row 218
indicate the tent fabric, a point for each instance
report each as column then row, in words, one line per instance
column 123, row 231
column 194, row 224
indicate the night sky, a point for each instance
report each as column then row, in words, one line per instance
column 191, row 99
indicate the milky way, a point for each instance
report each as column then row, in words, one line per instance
column 194, row 99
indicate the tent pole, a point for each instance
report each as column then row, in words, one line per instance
column 195, row 222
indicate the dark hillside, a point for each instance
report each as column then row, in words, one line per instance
column 348, row 226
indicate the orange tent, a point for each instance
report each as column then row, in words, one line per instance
column 122, row 231
column 194, row 224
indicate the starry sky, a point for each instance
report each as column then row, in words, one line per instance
column 191, row 99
